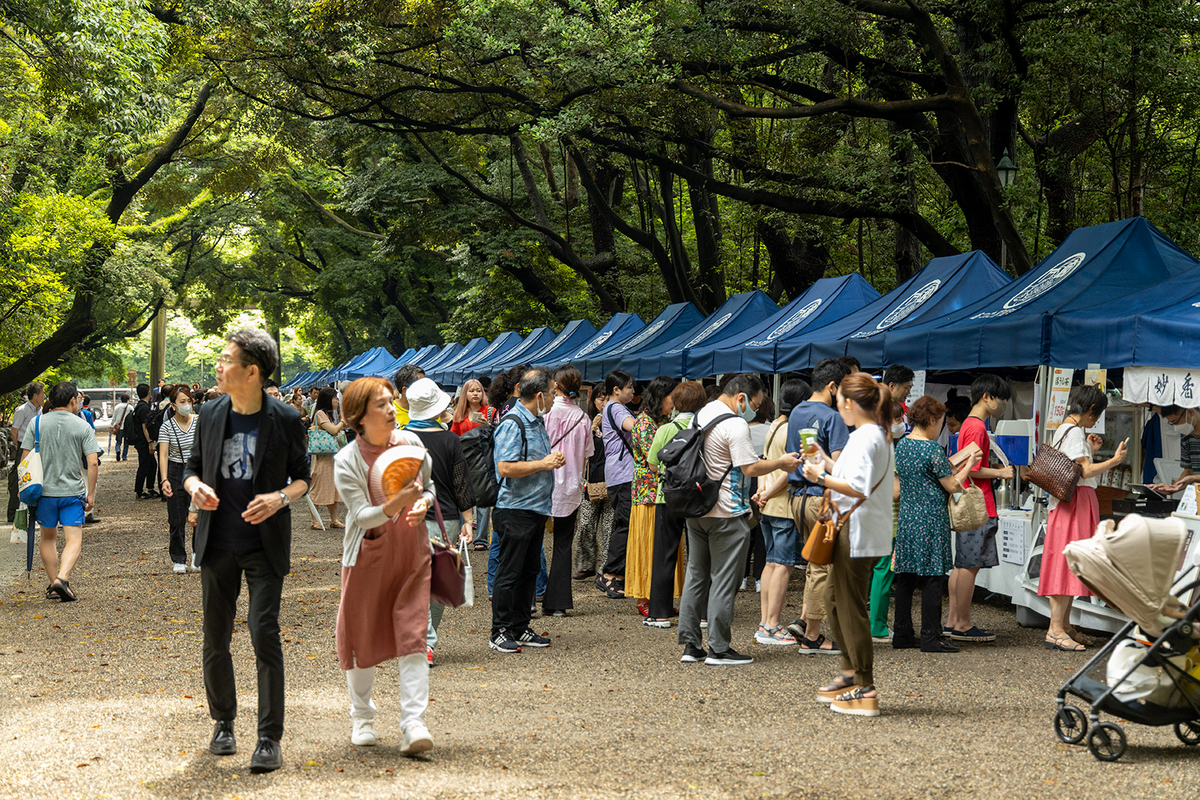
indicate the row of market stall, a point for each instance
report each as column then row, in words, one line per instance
column 1120, row 295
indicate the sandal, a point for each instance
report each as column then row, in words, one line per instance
column 830, row 691
column 478, row 546
column 775, row 635
column 856, row 703
column 810, row 646
column 1059, row 643
column 1082, row 638
column 63, row 590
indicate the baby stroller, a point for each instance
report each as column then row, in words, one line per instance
column 1153, row 662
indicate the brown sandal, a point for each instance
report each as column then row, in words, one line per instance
column 1059, row 643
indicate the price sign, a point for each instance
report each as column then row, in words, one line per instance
column 1187, row 503
column 1060, row 397
column 918, row 386
column 1012, row 540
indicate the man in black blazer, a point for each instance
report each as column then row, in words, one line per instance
column 249, row 446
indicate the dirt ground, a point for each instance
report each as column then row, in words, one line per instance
column 105, row 698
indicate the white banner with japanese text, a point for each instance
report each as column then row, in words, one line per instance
column 1162, row 386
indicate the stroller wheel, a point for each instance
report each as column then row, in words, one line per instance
column 1107, row 742
column 1070, row 725
column 1188, row 732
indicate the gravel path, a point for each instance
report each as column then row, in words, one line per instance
column 105, row 698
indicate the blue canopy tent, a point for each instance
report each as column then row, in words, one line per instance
column 944, row 286
column 1156, row 327
column 296, row 380
column 536, row 340
column 571, row 337
column 469, row 350
column 739, row 313
column 1011, row 326
column 621, row 328
column 388, row 370
column 442, row 355
column 447, row 374
column 758, row 348
column 367, row 368
column 674, row 320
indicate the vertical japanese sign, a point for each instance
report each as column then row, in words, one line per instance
column 1060, row 396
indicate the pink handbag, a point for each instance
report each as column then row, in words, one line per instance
column 448, row 578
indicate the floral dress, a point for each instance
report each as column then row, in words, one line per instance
column 639, row 550
column 923, row 529
column 645, row 480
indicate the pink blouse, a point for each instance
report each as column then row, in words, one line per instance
column 570, row 433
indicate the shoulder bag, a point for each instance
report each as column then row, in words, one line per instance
column 1054, row 471
column 321, row 442
column 968, row 509
column 29, row 471
column 818, row 549
column 449, row 565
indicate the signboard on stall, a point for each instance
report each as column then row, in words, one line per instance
column 1060, row 396
column 1012, row 540
column 1162, row 386
column 918, row 386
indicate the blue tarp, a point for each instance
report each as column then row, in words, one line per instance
column 442, row 356
column 572, row 336
column 469, row 350
column 1156, row 327
column 738, row 313
column 621, row 328
column 296, row 380
column 447, row 373
column 498, row 362
column 759, row 347
column 1011, row 327
column 673, row 321
column 943, row 287
column 382, row 358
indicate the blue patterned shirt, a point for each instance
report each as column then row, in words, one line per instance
column 533, row 493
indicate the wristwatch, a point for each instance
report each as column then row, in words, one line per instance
column 821, row 478
column 287, row 501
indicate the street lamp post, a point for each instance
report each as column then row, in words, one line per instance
column 1006, row 171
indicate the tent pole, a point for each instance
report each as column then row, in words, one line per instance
column 775, row 383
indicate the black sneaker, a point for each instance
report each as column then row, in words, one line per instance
column 530, row 639
column 503, row 643
column 692, row 654
column 730, row 658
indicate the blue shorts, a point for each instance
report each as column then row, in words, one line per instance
column 781, row 538
column 55, row 511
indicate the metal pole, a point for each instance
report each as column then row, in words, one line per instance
column 775, row 384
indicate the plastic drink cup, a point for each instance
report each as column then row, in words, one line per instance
column 808, row 443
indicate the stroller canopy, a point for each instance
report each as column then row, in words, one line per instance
column 1132, row 567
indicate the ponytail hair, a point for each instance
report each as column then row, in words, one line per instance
column 872, row 396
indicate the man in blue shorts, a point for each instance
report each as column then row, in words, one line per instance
column 64, row 439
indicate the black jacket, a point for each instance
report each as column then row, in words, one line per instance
column 283, row 436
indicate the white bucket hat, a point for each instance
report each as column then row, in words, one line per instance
column 426, row 400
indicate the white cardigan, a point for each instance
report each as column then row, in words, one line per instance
column 351, row 476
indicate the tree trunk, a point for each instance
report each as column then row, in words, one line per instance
column 796, row 263
column 710, row 278
column 907, row 249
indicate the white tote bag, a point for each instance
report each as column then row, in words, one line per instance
column 29, row 471
column 468, row 574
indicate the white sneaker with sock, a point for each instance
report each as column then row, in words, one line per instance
column 363, row 733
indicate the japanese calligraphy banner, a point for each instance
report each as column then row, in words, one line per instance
column 1162, row 386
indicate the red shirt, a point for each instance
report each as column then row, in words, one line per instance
column 973, row 430
column 459, row 428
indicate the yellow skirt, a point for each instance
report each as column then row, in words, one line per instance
column 639, row 552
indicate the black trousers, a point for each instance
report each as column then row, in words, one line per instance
column 14, row 499
column 147, row 468
column 756, row 556
column 221, row 582
column 558, row 584
column 622, row 503
column 177, row 510
column 903, row 585
column 521, row 536
column 668, row 533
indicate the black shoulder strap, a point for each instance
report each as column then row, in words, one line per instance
column 620, row 432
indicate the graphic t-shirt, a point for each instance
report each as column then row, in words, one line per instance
column 973, row 430
column 727, row 447
column 235, row 485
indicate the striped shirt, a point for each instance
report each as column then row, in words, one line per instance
column 1189, row 452
column 179, row 441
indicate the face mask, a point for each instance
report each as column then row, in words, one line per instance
column 541, row 407
column 1183, row 428
column 898, row 430
column 184, row 408
column 747, row 413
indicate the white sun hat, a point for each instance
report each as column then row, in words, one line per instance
column 426, row 400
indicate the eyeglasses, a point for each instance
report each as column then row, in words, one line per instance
column 225, row 360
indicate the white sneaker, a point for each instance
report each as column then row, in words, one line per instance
column 416, row 740
column 363, row 733
column 195, row 568
column 745, row 581
column 179, row 569
column 758, row 587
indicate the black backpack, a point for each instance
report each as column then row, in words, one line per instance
column 688, row 490
column 154, row 424
column 130, row 427
column 479, row 449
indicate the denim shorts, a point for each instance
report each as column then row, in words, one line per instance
column 780, row 537
column 55, row 511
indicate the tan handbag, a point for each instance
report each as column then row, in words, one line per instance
column 818, row 548
column 968, row 510
column 597, row 491
column 1054, row 471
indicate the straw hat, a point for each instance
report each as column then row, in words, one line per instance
column 426, row 400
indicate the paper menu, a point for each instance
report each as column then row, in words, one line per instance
column 1187, row 504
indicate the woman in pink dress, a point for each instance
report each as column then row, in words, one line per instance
column 1070, row 522
column 384, row 612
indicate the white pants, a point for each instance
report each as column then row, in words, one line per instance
column 414, row 690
